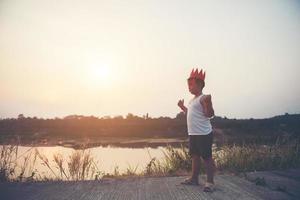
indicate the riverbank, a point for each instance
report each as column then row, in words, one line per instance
column 19, row 164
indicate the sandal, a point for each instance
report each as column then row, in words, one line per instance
column 208, row 187
column 190, row 181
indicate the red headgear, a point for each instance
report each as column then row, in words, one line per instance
column 197, row 75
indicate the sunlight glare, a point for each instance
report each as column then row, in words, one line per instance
column 99, row 75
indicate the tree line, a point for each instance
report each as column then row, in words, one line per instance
column 73, row 126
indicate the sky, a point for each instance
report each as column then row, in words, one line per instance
column 114, row 57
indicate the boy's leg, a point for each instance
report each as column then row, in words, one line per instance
column 194, row 179
column 195, row 167
column 210, row 169
column 193, row 149
column 194, row 152
column 209, row 163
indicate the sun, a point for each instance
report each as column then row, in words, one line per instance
column 99, row 75
column 101, row 72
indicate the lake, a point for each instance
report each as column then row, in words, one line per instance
column 108, row 158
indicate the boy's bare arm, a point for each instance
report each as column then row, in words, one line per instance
column 207, row 106
column 181, row 106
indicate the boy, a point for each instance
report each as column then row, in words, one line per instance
column 199, row 112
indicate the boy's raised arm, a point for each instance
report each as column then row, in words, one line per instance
column 181, row 106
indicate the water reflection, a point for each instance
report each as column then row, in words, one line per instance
column 107, row 159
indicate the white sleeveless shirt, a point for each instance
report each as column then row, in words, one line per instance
column 197, row 122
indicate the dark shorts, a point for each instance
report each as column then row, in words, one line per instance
column 201, row 145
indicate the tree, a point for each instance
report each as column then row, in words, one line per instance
column 180, row 116
column 21, row 116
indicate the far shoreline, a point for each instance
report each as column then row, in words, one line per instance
column 103, row 142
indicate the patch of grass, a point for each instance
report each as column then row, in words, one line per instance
column 7, row 167
column 131, row 171
column 252, row 157
column 259, row 157
column 10, row 170
column 175, row 161
column 79, row 166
